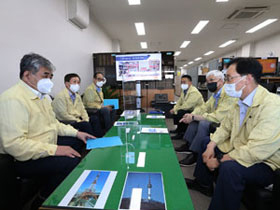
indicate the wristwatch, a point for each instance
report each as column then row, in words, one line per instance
column 193, row 118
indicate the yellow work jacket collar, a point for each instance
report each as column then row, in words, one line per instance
column 67, row 93
column 258, row 98
column 31, row 92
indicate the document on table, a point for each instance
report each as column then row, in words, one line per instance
column 143, row 190
column 155, row 117
column 130, row 113
column 154, row 130
column 126, row 123
column 104, row 142
column 91, row 190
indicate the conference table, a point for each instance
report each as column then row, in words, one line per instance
column 160, row 157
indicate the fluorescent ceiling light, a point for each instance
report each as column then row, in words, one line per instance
column 209, row 52
column 186, row 65
column 140, row 28
column 200, row 26
column 185, row 44
column 221, row 0
column 227, row 43
column 191, row 62
column 134, row 2
column 177, row 53
column 261, row 25
column 197, row 59
column 144, row 45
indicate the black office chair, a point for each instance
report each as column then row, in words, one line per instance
column 9, row 192
column 14, row 191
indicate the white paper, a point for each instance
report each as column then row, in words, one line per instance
column 154, row 130
column 155, row 117
column 136, row 196
column 102, row 198
column 106, row 190
column 141, row 159
column 67, row 198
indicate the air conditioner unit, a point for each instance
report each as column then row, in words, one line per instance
column 247, row 13
column 78, row 13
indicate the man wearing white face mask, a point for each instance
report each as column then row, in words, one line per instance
column 93, row 99
column 189, row 99
column 41, row 146
column 69, row 108
column 203, row 117
column 245, row 148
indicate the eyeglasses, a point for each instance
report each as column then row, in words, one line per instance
column 229, row 78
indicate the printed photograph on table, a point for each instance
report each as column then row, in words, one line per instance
column 91, row 190
column 143, row 191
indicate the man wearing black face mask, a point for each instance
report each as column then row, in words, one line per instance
column 200, row 120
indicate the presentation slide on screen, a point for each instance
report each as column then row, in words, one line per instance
column 132, row 67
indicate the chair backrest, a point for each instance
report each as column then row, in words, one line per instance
column 160, row 98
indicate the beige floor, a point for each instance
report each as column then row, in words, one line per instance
column 200, row 201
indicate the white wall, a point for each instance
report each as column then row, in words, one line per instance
column 261, row 48
column 41, row 26
column 270, row 44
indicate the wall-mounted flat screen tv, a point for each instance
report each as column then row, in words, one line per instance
column 269, row 65
column 142, row 66
column 225, row 62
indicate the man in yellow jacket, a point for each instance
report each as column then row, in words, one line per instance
column 203, row 117
column 246, row 147
column 69, row 108
column 189, row 99
column 42, row 147
column 93, row 99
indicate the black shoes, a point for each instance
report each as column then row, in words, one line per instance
column 183, row 149
column 194, row 185
column 173, row 131
column 179, row 136
column 189, row 160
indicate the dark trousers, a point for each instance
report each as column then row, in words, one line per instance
column 195, row 133
column 107, row 116
column 182, row 127
column 231, row 180
column 52, row 170
column 83, row 126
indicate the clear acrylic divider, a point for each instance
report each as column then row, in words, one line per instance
column 131, row 117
